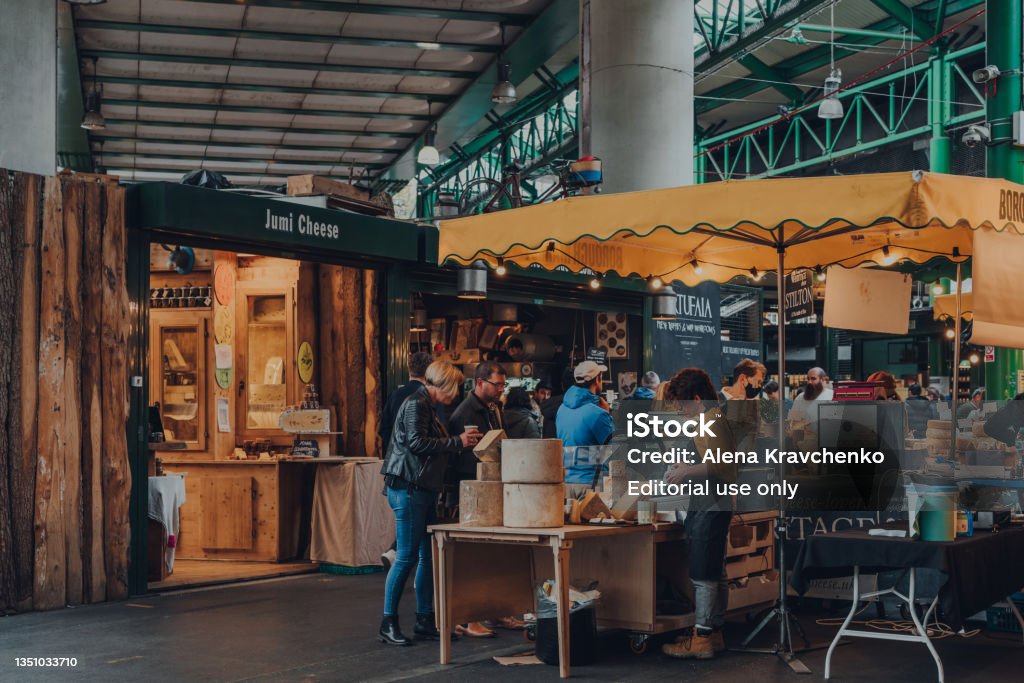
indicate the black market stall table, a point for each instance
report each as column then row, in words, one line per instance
column 978, row 570
column 497, row 568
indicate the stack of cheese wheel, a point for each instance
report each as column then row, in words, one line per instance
column 533, row 482
column 480, row 500
column 938, row 437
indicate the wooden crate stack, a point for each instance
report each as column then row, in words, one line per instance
column 750, row 561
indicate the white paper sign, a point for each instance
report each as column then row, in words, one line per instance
column 223, row 415
column 222, row 356
column 867, row 299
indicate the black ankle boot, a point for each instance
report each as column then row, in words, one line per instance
column 391, row 634
column 425, row 627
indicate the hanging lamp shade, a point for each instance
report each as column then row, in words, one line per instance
column 93, row 117
column 831, row 107
column 504, row 92
column 419, row 320
column 663, row 305
column 472, row 283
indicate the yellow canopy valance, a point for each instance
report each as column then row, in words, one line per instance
column 945, row 306
column 719, row 230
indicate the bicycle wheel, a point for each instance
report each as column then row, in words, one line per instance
column 477, row 193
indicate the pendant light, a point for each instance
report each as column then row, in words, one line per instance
column 419, row 320
column 429, row 156
column 472, row 283
column 663, row 305
column 504, row 91
column 93, row 117
column 831, row 107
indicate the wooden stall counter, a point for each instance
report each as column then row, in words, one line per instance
column 243, row 509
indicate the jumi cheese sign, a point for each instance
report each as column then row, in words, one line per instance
column 302, row 224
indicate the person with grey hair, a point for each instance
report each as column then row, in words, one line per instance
column 648, row 385
column 977, row 402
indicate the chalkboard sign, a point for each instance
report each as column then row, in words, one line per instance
column 693, row 338
column 598, row 355
column 735, row 351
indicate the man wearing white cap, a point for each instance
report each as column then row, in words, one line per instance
column 583, row 420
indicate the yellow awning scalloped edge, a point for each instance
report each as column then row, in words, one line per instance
column 718, row 230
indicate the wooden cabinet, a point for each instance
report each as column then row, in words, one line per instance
column 234, row 531
column 178, row 361
column 265, row 357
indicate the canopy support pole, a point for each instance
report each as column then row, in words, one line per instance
column 955, row 384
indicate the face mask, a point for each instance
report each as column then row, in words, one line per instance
column 753, row 391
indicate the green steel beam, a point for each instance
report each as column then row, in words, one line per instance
column 772, row 17
column 201, row 156
column 286, row 36
column 275, row 64
column 111, row 168
column 862, row 32
column 511, row 19
column 910, row 19
column 252, row 87
column 204, row 127
column 289, row 147
column 762, row 70
column 253, row 109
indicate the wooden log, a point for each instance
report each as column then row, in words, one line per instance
column 50, row 578
column 371, row 343
column 114, row 370
column 8, row 292
column 94, row 576
column 350, row 312
column 71, row 413
column 28, row 198
column 330, row 396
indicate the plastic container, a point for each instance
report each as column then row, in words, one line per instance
column 582, row 638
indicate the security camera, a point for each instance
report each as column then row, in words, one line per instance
column 976, row 134
column 985, row 74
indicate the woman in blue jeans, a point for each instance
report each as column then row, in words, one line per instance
column 414, row 470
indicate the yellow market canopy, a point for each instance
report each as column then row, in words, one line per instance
column 944, row 307
column 719, row 230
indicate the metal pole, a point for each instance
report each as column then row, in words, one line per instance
column 956, row 362
column 786, row 647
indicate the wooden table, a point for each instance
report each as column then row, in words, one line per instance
column 496, row 570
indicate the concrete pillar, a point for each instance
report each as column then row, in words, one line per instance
column 1003, row 28
column 640, row 91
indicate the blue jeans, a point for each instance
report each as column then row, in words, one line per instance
column 414, row 511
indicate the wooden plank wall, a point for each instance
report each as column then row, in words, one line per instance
column 349, row 356
column 64, row 475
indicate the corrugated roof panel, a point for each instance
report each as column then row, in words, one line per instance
column 344, row 81
column 194, row 46
column 378, row 142
column 294, row 20
column 175, row 133
column 245, row 98
column 403, row 106
column 385, row 125
column 373, row 56
column 112, row 10
column 254, row 136
column 156, row 93
column 475, row 32
column 367, row 104
column 446, row 59
column 431, row 85
column 396, row 27
column 196, row 116
column 143, row 148
column 338, row 139
column 281, row 50
column 257, row 76
column 192, row 13
column 213, row 73
column 325, row 156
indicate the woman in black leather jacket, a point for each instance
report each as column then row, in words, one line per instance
column 414, row 470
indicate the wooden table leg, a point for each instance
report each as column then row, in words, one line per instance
column 561, row 549
column 442, row 582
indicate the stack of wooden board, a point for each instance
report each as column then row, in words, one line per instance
column 750, row 561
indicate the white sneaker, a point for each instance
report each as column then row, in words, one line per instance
column 388, row 558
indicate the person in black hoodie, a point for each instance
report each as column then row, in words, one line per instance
column 414, row 472
column 418, row 364
column 549, row 408
column 519, row 420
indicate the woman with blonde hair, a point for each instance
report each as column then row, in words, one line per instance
column 414, row 470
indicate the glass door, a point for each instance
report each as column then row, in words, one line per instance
column 178, row 365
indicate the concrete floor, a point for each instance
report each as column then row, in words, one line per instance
column 322, row 627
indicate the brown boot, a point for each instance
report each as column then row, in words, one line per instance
column 717, row 641
column 693, row 646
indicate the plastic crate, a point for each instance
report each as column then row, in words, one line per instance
column 1001, row 617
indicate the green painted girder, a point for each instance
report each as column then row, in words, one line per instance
column 199, row 167
column 289, row 147
column 201, row 156
column 276, row 64
column 509, row 18
column 285, row 36
column 252, row 109
column 910, row 19
column 204, row 127
column 779, row 15
column 293, row 89
column 807, row 61
column 762, row 70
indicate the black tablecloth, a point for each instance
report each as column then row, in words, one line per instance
column 977, row 571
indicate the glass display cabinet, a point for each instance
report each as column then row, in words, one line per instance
column 265, row 358
column 178, row 376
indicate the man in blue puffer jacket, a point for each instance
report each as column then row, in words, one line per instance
column 583, row 420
